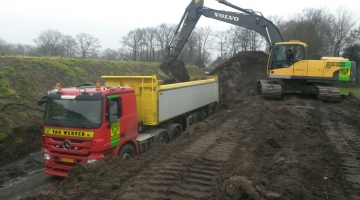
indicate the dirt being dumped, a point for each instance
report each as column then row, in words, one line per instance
column 177, row 69
column 238, row 76
column 296, row 148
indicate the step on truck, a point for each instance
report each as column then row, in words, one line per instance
column 123, row 117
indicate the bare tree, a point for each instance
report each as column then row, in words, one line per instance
column 233, row 39
column 150, row 36
column 3, row 47
column 222, row 42
column 69, row 45
column 109, row 54
column 88, row 45
column 123, row 54
column 341, row 30
column 2, row 42
column 164, row 34
column 311, row 26
column 49, row 42
column 206, row 39
column 250, row 40
column 133, row 41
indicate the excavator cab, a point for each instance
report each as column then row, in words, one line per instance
column 284, row 55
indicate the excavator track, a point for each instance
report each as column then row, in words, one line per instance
column 269, row 89
column 328, row 94
column 272, row 89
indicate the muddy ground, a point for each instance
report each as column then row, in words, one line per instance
column 297, row 148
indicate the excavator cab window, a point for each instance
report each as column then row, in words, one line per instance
column 282, row 56
column 298, row 53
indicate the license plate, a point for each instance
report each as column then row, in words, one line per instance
column 70, row 160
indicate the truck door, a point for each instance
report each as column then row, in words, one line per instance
column 115, row 128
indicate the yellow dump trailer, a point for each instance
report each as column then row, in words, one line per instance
column 169, row 106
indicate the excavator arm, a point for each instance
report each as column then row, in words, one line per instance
column 248, row 19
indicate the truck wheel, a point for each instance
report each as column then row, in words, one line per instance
column 197, row 118
column 204, row 115
column 211, row 111
column 163, row 138
column 127, row 152
column 177, row 133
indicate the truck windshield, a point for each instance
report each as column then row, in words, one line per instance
column 73, row 113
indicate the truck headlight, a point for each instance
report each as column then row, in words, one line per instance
column 82, row 89
column 46, row 156
column 91, row 160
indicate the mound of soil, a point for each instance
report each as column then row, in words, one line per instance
column 176, row 70
column 238, row 76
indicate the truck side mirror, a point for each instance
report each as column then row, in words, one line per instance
column 113, row 111
column 42, row 100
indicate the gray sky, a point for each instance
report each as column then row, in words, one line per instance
column 21, row 21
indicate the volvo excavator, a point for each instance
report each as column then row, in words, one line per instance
column 289, row 69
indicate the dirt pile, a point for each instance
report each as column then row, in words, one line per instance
column 238, row 76
column 176, row 69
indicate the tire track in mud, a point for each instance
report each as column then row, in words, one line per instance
column 189, row 174
column 343, row 137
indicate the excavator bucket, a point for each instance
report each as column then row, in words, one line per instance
column 174, row 70
column 163, row 74
column 163, row 70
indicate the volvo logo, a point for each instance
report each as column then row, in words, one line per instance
column 66, row 144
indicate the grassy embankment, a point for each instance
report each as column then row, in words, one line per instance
column 346, row 91
column 23, row 80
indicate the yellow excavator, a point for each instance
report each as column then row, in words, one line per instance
column 288, row 68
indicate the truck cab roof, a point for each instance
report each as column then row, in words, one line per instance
column 93, row 91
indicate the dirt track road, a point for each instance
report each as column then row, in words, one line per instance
column 24, row 177
column 25, row 186
column 190, row 173
column 344, row 135
column 298, row 148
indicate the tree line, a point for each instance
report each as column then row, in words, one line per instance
column 327, row 33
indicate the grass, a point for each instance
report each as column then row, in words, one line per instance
column 355, row 91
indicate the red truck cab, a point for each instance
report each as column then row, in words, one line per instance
column 83, row 124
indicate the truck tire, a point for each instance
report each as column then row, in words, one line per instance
column 197, row 118
column 204, row 115
column 127, row 152
column 176, row 133
column 211, row 111
column 163, row 137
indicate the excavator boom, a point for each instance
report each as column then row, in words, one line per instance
column 248, row 19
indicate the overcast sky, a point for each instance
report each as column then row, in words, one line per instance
column 21, row 21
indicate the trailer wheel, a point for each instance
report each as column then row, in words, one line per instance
column 127, row 152
column 163, row 138
column 211, row 111
column 197, row 118
column 204, row 115
column 177, row 133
